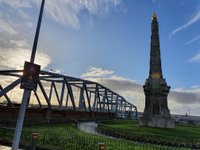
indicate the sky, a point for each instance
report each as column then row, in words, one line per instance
column 108, row 41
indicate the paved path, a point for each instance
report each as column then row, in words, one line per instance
column 6, row 148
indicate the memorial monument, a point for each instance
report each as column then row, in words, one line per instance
column 156, row 112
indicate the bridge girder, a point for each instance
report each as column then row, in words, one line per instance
column 84, row 95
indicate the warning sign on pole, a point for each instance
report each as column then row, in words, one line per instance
column 30, row 76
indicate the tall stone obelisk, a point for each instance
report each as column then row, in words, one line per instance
column 156, row 112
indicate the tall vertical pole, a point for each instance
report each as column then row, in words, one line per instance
column 37, row 33
column 27, row 93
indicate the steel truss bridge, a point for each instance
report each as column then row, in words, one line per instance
column 70, row 93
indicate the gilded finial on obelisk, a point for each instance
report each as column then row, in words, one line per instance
column 154, row 16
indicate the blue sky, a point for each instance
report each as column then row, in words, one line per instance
column 109, row 42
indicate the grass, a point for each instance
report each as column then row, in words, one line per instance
column 182, row 134
column 67, row 137
column 133, row 126
column 64, row 136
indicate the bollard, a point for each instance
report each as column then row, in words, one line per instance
column 101, row 146
column 34, row 141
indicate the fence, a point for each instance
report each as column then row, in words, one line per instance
column 76, row 140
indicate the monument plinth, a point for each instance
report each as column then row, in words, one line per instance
column 156, row 112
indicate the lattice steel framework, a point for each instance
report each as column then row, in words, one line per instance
column 83, row 95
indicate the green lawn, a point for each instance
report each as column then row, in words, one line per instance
column 133, row 126
column 67, row 137
column 182, row 134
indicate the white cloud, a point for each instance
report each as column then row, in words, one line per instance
column 97, row 72
column 14, row 46
column 129, row 89
column 23, row 14
column 132, row 91
column 17, row 3
column 7, row 28
column 195, row 58
column 192, row 40
column 65, row 12
column 13, row 58
column 180, row 100
column 29, row 24
column 189, row 23
column 195, row 86
column 20, row 43
column 186, row 96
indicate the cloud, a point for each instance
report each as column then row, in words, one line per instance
column 129, row 89
column 189, row 23
column 17, row 3
column 14, row 46
column 13, row 58
column 186, row 96
column 64, row 13
column 15, row 7
column 23, row 14
column 195, row 58
column 16, row 20
column 97, row 72
column 67, row 12
column 132, row 91
column 192, row 40
column 7, row 28
column 20, row 43
column 119, row 84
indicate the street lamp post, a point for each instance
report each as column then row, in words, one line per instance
column 188, row 112
column 27, row 92
column 189, row 115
